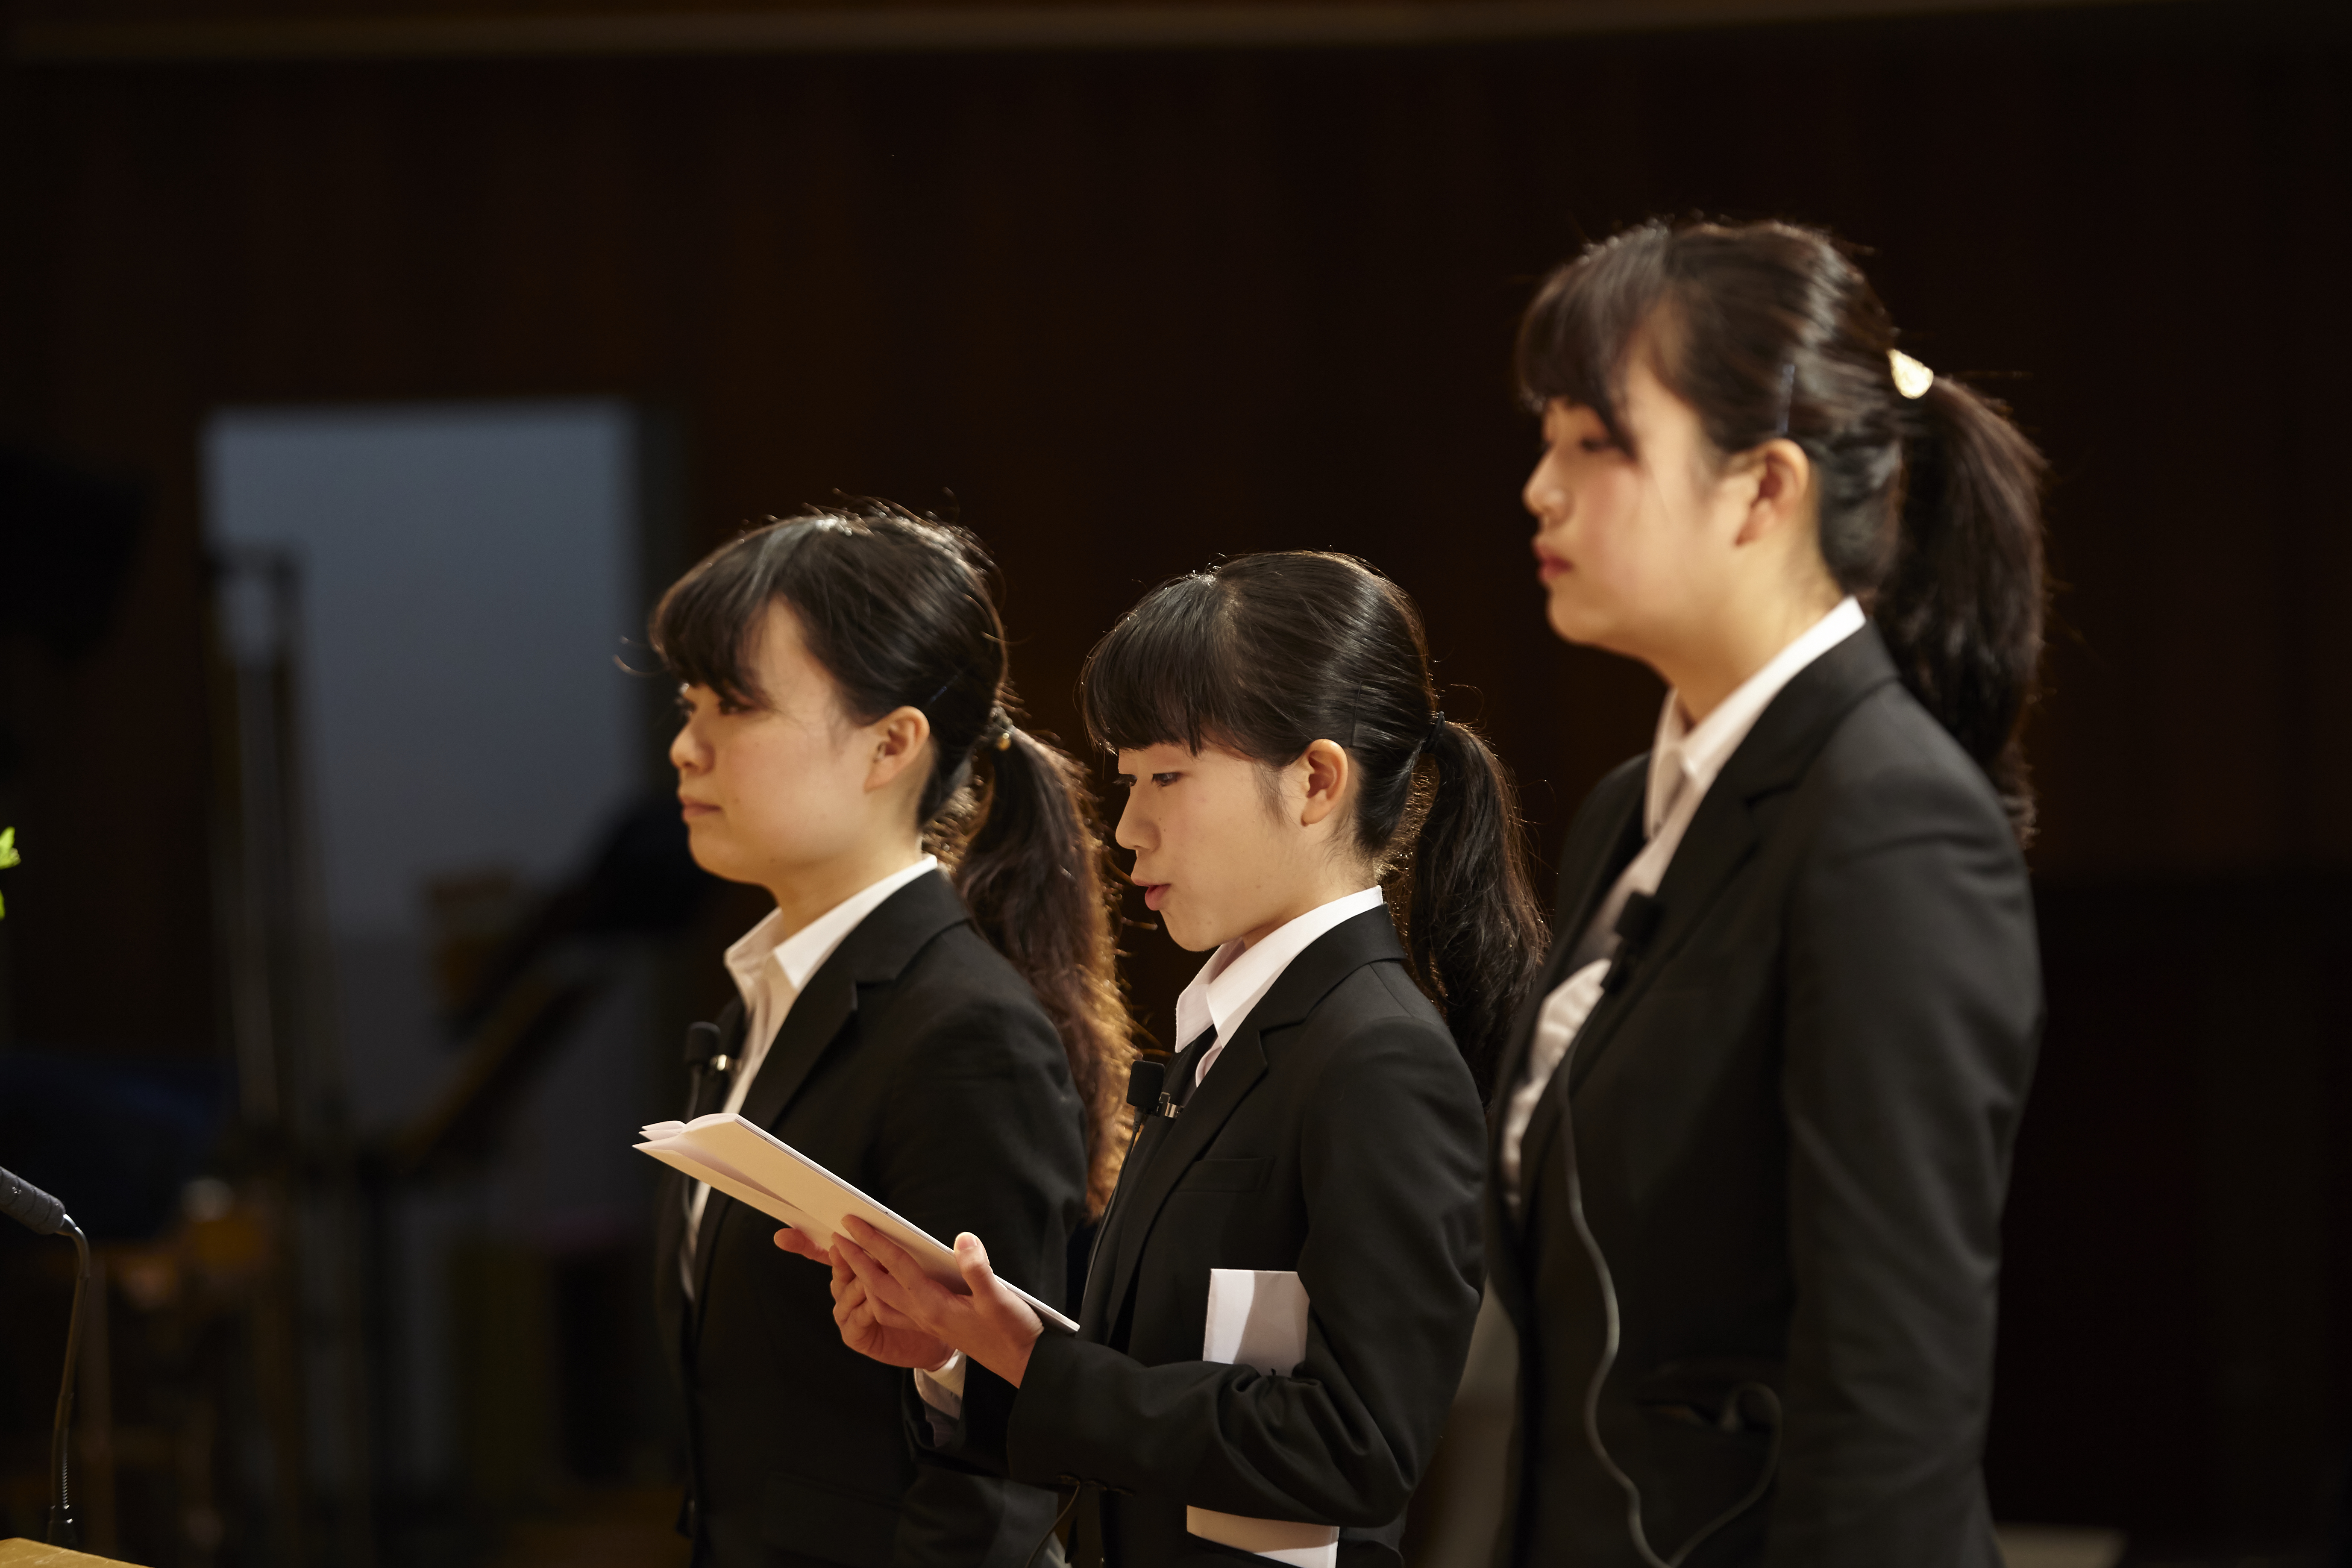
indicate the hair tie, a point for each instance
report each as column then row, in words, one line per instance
column 1437, row 728
column 1912, row 379
column 1000, row 728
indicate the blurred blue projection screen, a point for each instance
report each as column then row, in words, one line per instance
column 468, row 577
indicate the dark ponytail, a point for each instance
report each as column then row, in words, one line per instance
column 1263, row 655
column 898, row 609
column 1930, row 498
column 1961, row 605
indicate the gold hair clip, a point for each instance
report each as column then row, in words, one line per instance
column 1912, row 379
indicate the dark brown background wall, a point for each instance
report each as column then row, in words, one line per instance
column 1123, row 311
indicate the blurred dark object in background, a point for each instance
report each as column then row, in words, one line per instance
column 642, row 881
column 125, row 1136
column 67, row 541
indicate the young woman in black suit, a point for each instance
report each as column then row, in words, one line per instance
column 1753, row 1129
column 930, row 1011
column 1279, row 736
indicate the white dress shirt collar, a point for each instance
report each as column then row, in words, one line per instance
column 769, row 969
column 1687, row 757
column 1237, row 979
column 803, row 952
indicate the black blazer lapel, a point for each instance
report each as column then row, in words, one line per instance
column 1594, row 876
column 1364, row 939
column 875, row 952
column 1606, row 836
column 1787, row 736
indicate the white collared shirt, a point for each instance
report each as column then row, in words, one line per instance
column 1684, row 764
column 1236, row 978
column 769, row 970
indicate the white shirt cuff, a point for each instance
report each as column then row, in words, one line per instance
column 942, row 1386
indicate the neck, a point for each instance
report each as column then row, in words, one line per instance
column 805, row 896
column 1304, row 899
column 1732, row 647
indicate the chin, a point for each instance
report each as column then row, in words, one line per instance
column 710, row 854
column 1184, row 934
column 1573, row 622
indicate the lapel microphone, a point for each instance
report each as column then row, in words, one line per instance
column 702, row 1048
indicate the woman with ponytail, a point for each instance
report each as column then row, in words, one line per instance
column 1753, row 1129
column 930, row 1012
column 1298, row 805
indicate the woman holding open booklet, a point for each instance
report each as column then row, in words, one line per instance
column 943, row 1033
column 1282, row 1295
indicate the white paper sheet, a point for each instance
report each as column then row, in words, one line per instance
column 1258, row 1317
column 753, row 1166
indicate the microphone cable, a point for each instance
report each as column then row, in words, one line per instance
column 1636, row 924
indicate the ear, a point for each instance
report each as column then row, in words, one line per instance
column 1779, row 480
column 1327, row 770
column 899, row 739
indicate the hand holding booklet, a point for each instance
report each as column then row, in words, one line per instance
column 752, row 1165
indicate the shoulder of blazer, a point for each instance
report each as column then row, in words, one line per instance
column 1891, row 759
column 887, row 940
column 1798, row 722
column 1314, row 974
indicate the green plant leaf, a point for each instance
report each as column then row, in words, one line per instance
column 8, row 855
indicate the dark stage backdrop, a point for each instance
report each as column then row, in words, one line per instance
column 1121, row 313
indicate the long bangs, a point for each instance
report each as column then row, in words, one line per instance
column 1160, row 677
column 1576, row 335
column 705, row 627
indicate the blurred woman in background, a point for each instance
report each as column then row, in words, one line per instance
column 1752, row 1134
column 1313, row 1164
column 930, row 1012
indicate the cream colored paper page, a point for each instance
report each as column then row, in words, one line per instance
column 753, row 1166
column 1258, row 1317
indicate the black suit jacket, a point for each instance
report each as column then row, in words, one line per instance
column 1792, row 1122
column 918, row 1065
column 1338, row 1135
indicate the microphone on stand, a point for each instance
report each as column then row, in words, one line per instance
column 42, row 1215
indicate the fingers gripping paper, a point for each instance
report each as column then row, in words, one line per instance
column 1258, row 1317
column 752, row 1165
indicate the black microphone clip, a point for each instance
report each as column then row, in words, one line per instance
column 1147, row 1091
column 702, row 1043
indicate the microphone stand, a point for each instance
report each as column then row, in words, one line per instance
column 42, row 1215
column 62, row 1530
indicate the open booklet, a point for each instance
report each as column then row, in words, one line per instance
column 753, row 1166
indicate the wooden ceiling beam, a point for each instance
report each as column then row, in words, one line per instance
column 877, row 29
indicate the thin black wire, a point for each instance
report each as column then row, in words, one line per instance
column 1610, row 1335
